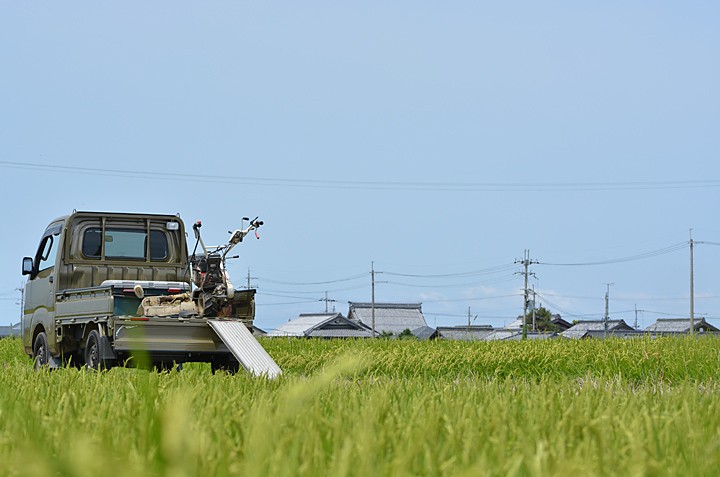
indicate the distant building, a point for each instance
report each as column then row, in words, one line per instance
column 596, row 329
column 257, row 331
column 672, row 326
column 464, row 333
column 560, row 324
column 393, row 318
column 10, row 330
column 532, row 335
column 321, row 325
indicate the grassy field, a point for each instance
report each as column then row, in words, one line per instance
column 391, row 408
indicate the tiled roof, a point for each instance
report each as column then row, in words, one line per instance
column 14, row 330
column 389, row 317
column 580, row 329
column 679, row 325
column 424, row 333
column 464, row 333
column 321, row 325
column 532, row 336
column 502, row 334
column 320, row 333
column 556, row 320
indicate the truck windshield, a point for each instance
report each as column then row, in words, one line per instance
column 124, row 244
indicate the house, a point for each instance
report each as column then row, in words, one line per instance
column 502, row 334
column 464, row 333
column 532, row 335
column 596, row 329
column 560, row 324
column 392, row 318
column 12, row 330
column 672, row 326
column 257, row 331
column 321, row 325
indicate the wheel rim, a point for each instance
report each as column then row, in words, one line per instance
column 39, row 355
column 92, row 356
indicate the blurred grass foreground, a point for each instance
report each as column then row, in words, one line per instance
column 377, row 408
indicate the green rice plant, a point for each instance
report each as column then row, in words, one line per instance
column 385, row 408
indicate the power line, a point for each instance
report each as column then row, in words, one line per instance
column 327, row 282
column 453, row 285
column 654, row 253
column 375, row 185
column 486, row 271
column 472, row 299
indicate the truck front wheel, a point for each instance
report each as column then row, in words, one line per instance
column 41, row 354
column 94, row 351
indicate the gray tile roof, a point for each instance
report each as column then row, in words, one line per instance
column 389, row 317
column 597, row 334
column 556, row 320
column 320, row 333
column 502, row 334
column 424, row 333
column 532, row 336
column 463, row 333
column 7, row 331
column 323, row 325
column 680, row 325
column 581, row 329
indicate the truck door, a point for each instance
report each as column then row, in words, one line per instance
column 40, row 290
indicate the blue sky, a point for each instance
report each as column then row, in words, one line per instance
column 433, row 139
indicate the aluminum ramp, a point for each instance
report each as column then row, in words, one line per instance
column 246, row 348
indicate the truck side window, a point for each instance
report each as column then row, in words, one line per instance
column 47, row 253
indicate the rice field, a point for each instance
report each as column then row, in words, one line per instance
column 380, row 408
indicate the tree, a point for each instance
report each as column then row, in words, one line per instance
column 406, row 334
column 543, row 320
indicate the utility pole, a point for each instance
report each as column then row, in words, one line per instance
column 468, row 328
column 327, row 300
column 636, row 323
column 534, row 326
column 607, row 309
column 372, row 304
column 526, row 262
column 692, row 288
column 22, row 308
column 249, row 286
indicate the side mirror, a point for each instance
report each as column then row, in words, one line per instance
column 27, row 266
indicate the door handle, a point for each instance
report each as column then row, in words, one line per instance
column 51, row 279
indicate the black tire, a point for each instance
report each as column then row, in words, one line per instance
column 229, row 366
column 209, row 305
column 94, row 351
column 41, row 352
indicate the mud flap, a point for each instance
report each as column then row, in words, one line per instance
column 246, row 349
column 55, row 362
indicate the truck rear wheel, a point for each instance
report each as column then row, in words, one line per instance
column 41, row 354
column 229, row 366
column 94, row 351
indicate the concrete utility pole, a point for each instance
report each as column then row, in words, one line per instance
column 372, row 303
column 636, row 323
column 249, row 286
column 607, row 309
column 22, row 308
column 692, row 289
column 526, row 262
column 328, row 300
column 534, row 303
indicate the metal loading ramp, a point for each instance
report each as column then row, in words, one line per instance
column 246, row 348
